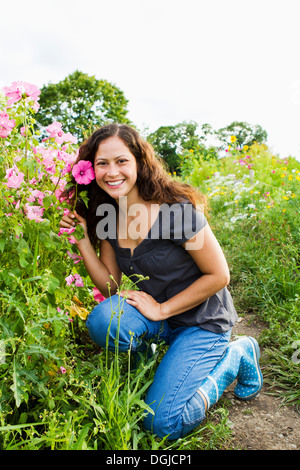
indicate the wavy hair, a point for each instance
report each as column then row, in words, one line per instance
column 153, row 180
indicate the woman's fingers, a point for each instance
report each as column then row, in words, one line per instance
column 70, row 220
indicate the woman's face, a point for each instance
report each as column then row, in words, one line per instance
column 116, row 168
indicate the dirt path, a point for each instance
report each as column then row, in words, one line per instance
column 262, row 423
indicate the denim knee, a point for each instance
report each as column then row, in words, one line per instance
column 103, row 322
column 113, row 322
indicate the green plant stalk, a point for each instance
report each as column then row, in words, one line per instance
column 36, row 250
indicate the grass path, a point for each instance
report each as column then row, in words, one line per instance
column 262, row 423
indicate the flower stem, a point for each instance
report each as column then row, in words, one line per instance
column 36, row 250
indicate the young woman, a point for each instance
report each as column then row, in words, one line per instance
column 145, row 223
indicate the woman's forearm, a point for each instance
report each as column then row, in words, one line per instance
column 97, row 271
column 203, row 288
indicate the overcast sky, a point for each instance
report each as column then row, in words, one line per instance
column 211, row 61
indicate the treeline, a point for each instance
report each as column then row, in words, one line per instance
column 82, row 103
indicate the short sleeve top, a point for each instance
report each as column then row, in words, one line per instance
column 170, row 269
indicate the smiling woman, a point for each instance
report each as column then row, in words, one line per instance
column 183, row 297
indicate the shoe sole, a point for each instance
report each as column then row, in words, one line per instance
column 256, row 355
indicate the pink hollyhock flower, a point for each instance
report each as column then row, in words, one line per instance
column 34, row 212
column 75, row 257
column 55, row 129
column 98, row 297
column 66, row 230
column 31, row 90
column 13, row 92
column 16, row 90
column 6, row 124
column 83, row 172
column 66, row 169
column 14, row 177
column 69, row 280
column 78, row 280
column 56, row 132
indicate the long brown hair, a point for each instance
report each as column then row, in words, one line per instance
column 153, row 180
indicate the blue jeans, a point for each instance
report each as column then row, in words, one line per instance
column 192, row 354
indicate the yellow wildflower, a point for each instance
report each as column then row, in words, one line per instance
column 233, row 138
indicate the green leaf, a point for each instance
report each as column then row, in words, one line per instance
column 17, row 382
column 84, row 196
column 51, row 284
column 2, row 244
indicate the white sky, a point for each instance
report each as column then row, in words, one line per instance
column 211, row 61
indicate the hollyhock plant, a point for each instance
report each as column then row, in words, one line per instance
column 83, row 172
column 69, row 280
column 34, row 212
column 56, row 133
column 6, row 124
column 78, row 280
column 16, row 91
column 14, row 177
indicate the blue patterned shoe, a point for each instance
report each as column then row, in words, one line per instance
column 240, row 361
column 249, row 377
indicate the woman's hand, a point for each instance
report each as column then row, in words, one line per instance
column 145, row 304
column 71, row 220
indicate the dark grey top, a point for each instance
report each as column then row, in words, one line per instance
column 171, row 269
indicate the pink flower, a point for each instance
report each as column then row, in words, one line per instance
column 31, row 90
column 55, row 129
column 78, row 281
column 16, row 90
column 83, row 172
column 98, row 297
column 34, row 212
column 62, row 370
column 6, row 124
column 66, row 230
column 75, row 257
column 14, row 177
column 56, row 132
column 14, row 93
column 69, row 280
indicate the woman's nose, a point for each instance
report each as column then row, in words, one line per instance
column 112, row 170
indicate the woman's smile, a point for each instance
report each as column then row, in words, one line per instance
column 115, row 184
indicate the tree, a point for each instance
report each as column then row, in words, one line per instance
column 170, row 141
column 246, row 134
column 82, row 103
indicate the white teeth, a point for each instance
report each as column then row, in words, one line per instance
column 114, row 183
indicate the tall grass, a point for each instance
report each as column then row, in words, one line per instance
column 255, row 216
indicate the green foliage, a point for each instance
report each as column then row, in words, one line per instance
column 82, row 103
column 170, row 141
column 246, row 134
